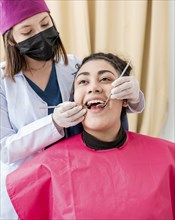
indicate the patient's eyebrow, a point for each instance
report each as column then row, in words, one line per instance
column 82, row 73
column 100, row 72
column 104, row 71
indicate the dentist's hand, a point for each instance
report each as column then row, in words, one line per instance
column 126, row 87
column 68, row 114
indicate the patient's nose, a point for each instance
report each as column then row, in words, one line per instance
column 94, row 88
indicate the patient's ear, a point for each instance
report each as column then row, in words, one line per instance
column 125, row 103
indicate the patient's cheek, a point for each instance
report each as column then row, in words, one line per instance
column 75, row 96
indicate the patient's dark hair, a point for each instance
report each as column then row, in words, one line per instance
column 118, row 64
column 114, row 60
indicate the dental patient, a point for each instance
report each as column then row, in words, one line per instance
column 103, row 173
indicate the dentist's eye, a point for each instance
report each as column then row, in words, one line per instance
column 27, row 33
column 45, row 25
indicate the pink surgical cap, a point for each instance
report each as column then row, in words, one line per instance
column 13, row 12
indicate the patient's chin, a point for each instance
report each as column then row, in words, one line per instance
column 95, row 125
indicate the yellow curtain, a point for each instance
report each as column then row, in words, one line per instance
column 133, row 29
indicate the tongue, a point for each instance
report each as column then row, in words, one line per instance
column 95, row 106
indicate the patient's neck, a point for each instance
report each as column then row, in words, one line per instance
column 96, row 144
column 106, row 135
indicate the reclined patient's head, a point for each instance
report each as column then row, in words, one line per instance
column 92, row 87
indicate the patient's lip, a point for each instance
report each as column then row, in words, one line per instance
column 93, row 103
column 94, row 98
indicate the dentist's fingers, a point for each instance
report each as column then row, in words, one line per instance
column 66, row 106
column 126, row 88
column 68, row 114
column 121, row 80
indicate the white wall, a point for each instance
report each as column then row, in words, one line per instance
column 168, row 131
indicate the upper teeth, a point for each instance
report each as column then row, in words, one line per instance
column 94, row 102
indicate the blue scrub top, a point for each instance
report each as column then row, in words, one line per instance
column 51, row 95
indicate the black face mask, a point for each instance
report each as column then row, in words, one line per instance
column 41, row 46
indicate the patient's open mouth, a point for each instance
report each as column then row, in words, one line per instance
column 94, row 104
